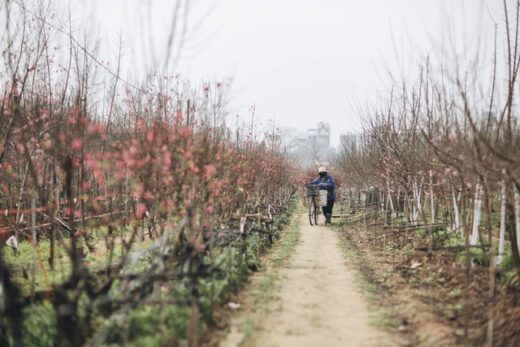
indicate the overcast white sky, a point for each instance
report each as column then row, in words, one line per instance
column 297, row 61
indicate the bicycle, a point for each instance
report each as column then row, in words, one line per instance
column 313, row 191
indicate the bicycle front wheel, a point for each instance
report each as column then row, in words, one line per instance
column 312, row 206
column 316, row 212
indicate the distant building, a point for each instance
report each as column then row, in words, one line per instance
column 298, row 141
column 323, row 134
column 350, row 141
column 312, row 146
column 312, row 136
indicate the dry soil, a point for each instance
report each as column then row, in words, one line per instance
column 319, row 302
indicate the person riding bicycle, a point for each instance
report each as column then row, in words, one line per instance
column 326, row 181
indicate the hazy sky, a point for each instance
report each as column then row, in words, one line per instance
column 297, row 61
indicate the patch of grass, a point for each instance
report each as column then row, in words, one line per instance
column 286, row 245
column 478, row 256
column 384, row 315
column 263, row 289
column 248, row 327
column 266, row 292
column 28, row 256
column 385, row 319
column 149, row 324
column 38, row 256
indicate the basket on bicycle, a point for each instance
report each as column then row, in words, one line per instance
column 312, row 190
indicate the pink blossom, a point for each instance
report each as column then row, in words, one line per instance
column 77, row 144
column 100, row 177
column 140, row 124
column 209, row 171
column 139, row 190
column 140, row 210
column 167, row 158
column 150, row 136
column 94, row 128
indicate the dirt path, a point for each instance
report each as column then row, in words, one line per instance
column 319, row 303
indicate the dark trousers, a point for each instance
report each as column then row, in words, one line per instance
column 328, row 209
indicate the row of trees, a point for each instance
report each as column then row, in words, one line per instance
column 437, row 152
column 157, row 160
column 443, row 152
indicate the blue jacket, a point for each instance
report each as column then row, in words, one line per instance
column 328, row 183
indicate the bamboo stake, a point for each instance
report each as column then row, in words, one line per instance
column 492, row 261
column 517, row 214
column 477, row 207
column 432, row 201
column 467, row 261
column 502, row 235
column 34, row 241
column 457, row 211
